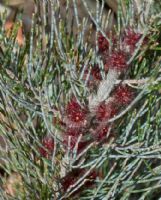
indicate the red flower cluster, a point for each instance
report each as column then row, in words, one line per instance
column 76, row 121
column 123, row 95
column 76, row 115
column 48, row 146
column 101, row 132
column 94, row 76
column 131, row 39
column 103, row 44
column 105, row 111
column 117, row 61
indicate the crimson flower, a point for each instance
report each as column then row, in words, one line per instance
column 48, row 146
column 76, row 114
column 105, row 111
column 131, row 39
column 101, row 133
column 94, row 77
column 123, row 95
column 103, row 44
column 117, row 61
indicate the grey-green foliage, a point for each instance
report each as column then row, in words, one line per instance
column 35, row 85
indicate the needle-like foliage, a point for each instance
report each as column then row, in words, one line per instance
column 79, row 121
